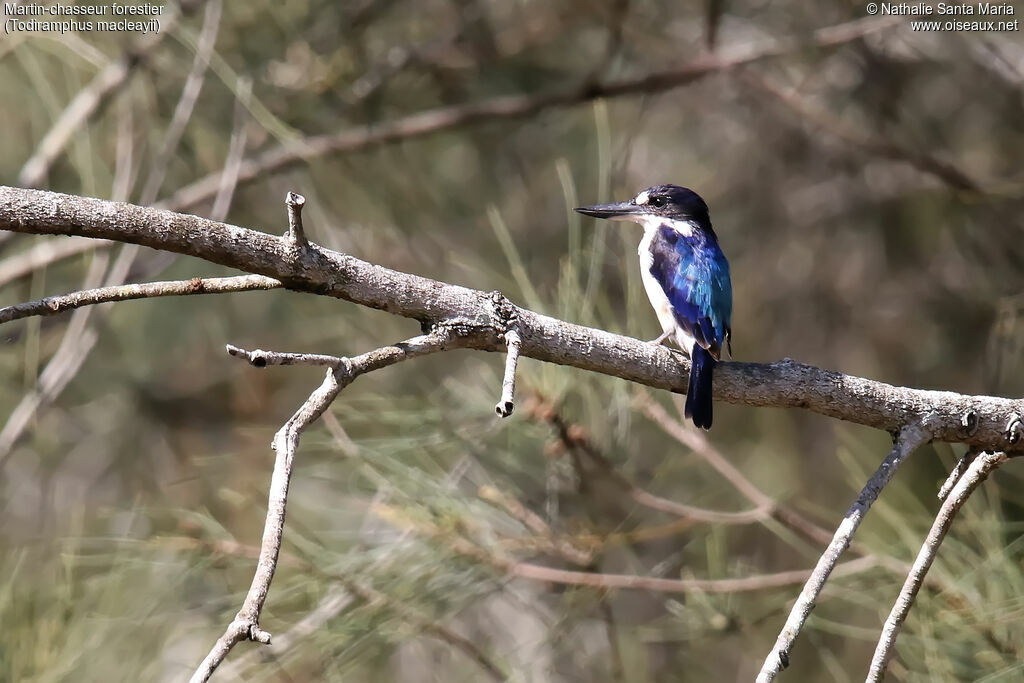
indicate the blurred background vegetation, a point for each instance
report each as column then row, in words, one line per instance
column 868, row 195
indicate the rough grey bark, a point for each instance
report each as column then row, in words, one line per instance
column 482, row 319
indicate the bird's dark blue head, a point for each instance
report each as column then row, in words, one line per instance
column 659, row 202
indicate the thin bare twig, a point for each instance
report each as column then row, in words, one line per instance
column 54, row 305
column 261, row 359
column 958, row 470
column 976, row 473
column 245, row 625
column 908, row 439
column 508, row 384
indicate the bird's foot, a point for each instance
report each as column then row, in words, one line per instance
column 660, row 340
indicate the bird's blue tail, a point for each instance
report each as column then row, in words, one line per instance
column 698, row 395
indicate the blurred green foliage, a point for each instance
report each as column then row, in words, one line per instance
column 132, row 503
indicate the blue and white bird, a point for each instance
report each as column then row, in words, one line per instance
column 687, row 280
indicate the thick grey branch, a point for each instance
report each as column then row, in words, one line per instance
column 976, row 473
column 484, row 320
column 906, row 442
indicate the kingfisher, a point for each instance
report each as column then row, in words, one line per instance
column 686, row 276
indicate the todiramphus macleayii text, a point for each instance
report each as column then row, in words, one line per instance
column 687, row 280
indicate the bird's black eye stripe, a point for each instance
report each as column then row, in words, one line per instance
column 657, row 202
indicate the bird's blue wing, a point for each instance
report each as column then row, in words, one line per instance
column 694, row 275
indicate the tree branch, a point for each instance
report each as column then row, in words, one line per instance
column 907, row 441
column 461, row 317
column 976, row 473
column 508, row 385
column 484, row 319
column 53, row 305
column 958, row 471
column 296, row 233
column 245, row 625
column 261, row 359
column 337, row 598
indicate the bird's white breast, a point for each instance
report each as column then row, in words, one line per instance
column 655, row 292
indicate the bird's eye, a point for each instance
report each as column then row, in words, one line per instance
column 657, row 202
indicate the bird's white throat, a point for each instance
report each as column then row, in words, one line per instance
column 652, row 223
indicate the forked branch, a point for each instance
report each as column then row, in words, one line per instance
column 343, row 371
column 907, row 441
column 977, row 472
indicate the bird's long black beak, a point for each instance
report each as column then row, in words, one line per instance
column 618, row 210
